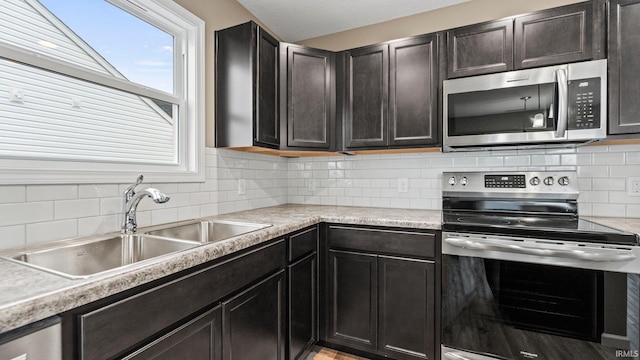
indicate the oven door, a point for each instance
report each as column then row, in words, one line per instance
column 510, row 305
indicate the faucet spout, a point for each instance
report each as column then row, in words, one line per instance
column 154, row 194
column 131, row 201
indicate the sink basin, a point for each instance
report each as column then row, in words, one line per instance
column 83, row 259
column 208, row 230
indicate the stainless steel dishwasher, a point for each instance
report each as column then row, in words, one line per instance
column 38, row 341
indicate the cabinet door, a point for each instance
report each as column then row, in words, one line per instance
column 302, row 306
column 555, row 36
column 310, row 97
column 480, row 49
column 624, row 52
column 413, row 91
column 406, row 309
column 353, row 299
column 367, row 97
column 267, row 123
column 199, row 339
column 253, row 322
column 246, row 96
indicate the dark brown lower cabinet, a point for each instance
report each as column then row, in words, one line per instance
column 199, row 339
column 302, row 306
column 381, row 292
column 406, row 308
column 353, row 299
column 151, row 318
column 377, row 295
column 253, row 322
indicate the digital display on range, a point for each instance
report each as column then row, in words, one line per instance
column 505, row 181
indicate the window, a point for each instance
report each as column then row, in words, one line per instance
column 96, row 91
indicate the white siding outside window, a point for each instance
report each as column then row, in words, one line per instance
column 68, row 115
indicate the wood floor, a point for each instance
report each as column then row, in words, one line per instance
column 321, row 353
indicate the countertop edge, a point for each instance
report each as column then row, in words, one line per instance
column 71, row 294
column 76, row 293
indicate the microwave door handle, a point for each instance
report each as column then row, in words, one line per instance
column 563, row 105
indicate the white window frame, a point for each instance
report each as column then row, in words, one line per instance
column 189, row 32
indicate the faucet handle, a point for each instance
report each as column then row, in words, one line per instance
column 129, row 192
column 139, row 179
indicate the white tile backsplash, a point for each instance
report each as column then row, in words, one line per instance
column 13, row 236
column 51, row 192
column 12, row 194
column 96, row 225
column 72, row 209
column 51, row 230
column 25, row 213
column 98, row 191
column 41, row 213
column 373, row 181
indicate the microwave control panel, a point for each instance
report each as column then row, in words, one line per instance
column 584, row 104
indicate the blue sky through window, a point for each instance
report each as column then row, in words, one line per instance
column 140, row 51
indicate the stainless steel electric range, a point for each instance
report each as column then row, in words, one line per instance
column 524, row 277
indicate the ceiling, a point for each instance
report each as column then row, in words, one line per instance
column 295, row 20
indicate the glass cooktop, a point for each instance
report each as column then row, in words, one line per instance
column 553, row 227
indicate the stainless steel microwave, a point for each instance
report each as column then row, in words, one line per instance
column 553, row 106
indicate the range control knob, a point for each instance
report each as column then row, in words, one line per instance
column 535, row 181
column 463, row 181
column 548, row 180
column 452, row 180
column 564, row 181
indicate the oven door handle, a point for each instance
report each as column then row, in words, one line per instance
column 454, row 356
column 568, row 253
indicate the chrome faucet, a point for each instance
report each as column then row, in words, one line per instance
column 131, row 200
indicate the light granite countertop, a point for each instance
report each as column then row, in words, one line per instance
column 625, row 224
column 28, row 295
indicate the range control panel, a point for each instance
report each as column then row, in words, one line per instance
column 505, row 181
column 521, row 182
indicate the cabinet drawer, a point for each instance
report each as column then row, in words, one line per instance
column 110, row 330
column 384, row 241
column 303, row 243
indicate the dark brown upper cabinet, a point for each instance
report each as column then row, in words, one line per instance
column 308, row 99
column 247, row 86
column 555, row 36
column 624, row 52
column 367, row 97
column 390, row 97
column 413, row 91
column 480, row 49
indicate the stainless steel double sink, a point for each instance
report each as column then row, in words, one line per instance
column 83, row 258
